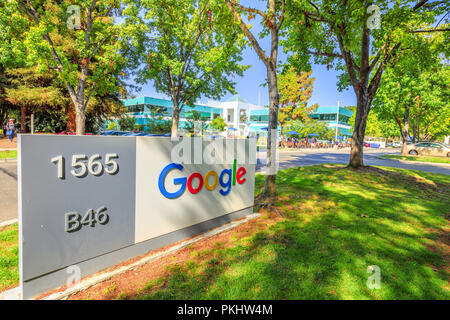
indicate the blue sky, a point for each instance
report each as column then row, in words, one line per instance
column 325, row 91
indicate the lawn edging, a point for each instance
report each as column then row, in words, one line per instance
column 8, row 223
column 104, row 276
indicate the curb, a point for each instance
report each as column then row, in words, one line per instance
column 417, row 162
column 8, row 160
column 7, row 223
column 101, row 277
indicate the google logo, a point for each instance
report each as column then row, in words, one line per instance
column 226, row 179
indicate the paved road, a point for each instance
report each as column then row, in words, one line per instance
column 299, row 159
column 8, row 191
column 8, row 170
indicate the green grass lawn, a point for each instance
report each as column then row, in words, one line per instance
column 9, row 257
column 337, row 223
column 417, row 158
column 8, row 154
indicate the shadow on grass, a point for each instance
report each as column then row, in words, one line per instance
column 339, row 222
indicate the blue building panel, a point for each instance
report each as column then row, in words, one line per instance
column 333, row 110
column 256, row 112
column 148, row 101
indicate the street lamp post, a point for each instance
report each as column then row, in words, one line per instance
column 337, row 121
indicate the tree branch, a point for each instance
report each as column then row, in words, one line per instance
column 347, row 59
column 374, row 83
column 89, row 96
column 327, row 54
column 34, row 15
column 280, row 23
column 431, row 30
column 419, row 4
column 246, row 9
column 259, row 51
column 315, row 7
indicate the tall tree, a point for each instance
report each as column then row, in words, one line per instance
column 359, row 38
column 295, row 90
column 218, row 124
column 272, row 19
column 378, row 125
column 12, row 49
column 32, row 91
column 88, row 65
column 415, row 90
column 41, row 94
column 189, row 48
column 313, row 126
column 417, row 100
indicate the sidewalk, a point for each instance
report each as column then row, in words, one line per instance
column 6, row 145
column 332, row 150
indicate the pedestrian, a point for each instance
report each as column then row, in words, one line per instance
column 10, row 130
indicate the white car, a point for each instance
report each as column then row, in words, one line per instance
column 429, row 149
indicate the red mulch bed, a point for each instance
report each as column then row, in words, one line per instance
column 126, row 285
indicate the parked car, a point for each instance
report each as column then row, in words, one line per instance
column 113, row 133
column 429, row 149
column 108, row 133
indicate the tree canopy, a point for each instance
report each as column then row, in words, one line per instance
column 312, row 126
column 414, row 93
column 188, row 48
column 295, row 90
column 218, row 124
column 358, row 38
column 86, row 56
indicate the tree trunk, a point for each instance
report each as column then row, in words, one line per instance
column 405, row 132
column 357, row 147
column 78, row 103
column 416, row 127
column 271, row 65
column 80, row 120
column 270, row 182
column 175, row 120
column 71, row 124
column 3, row 114
column 23, row 119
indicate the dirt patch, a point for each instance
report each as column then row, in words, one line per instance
column 441, row 246
column 5, row 144
column 130, row 282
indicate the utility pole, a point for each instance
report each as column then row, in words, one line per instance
column 32, row 123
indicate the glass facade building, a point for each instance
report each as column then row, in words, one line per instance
column 330, row 115
column 240, row 116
